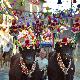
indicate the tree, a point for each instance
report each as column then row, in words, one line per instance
column 42, row 1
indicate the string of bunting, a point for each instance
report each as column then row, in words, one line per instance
column 60, row 2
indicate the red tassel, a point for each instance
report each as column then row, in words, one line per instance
column 13, row 22
column 74, row 1
column 27, row 42
column 64, row 40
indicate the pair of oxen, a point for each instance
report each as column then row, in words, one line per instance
column 60, row 65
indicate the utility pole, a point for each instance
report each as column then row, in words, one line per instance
column 71, row 22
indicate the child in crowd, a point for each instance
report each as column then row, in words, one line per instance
column 42, row 60
column 43, row 63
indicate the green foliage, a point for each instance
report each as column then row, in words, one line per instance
column 17, row 3
column 47, row 13
column 77, row 37
column 43, row 1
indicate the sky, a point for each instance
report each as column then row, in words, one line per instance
column 66, row 4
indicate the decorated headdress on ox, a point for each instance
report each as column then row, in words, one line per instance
column 64, row 46
column 28, row 55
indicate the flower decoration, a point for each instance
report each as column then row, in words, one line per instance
column 66, row 41
column 27, row 38
column 46, row 35
column 62, row 65
column 24, row 68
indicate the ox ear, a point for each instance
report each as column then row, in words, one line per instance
column 58, row 47
column 73, row 46
column 20, row 49
column 37, row 50
column 24, row 50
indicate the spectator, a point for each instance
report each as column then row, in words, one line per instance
column 6, row 50
column 42, row 60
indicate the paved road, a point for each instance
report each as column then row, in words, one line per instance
column 4, row 75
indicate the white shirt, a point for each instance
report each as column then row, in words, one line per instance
column 6, row 49
column 42, row 62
